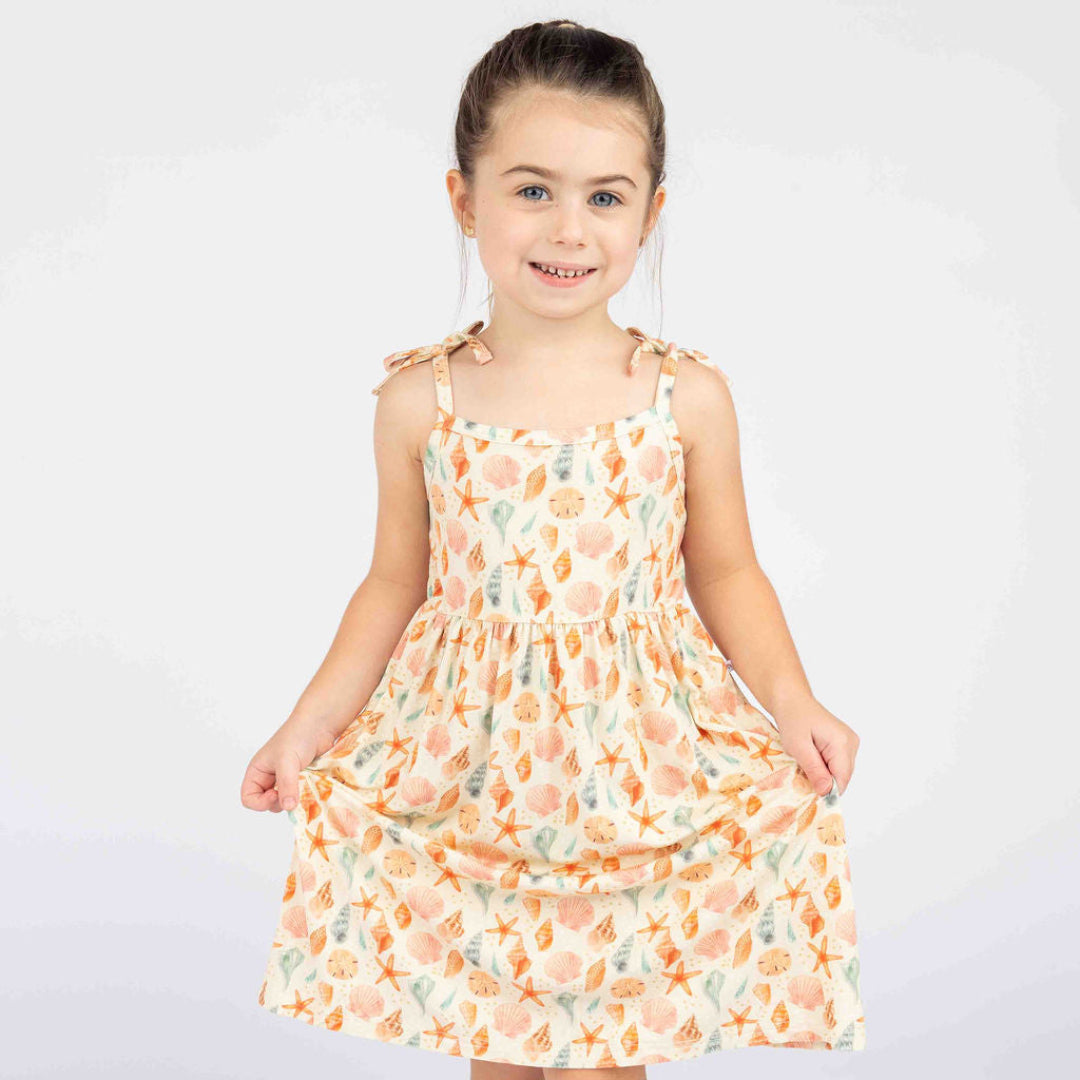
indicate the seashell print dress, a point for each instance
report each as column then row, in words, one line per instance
column 558, row 834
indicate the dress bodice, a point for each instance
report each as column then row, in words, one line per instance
column 572, row 525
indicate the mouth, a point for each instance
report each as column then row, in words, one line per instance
column 555, row 275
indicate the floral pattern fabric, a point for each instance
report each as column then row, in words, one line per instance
column 558, row 834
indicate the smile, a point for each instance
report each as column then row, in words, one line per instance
column 553, row 276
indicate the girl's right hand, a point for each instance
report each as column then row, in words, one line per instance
column 270, row 782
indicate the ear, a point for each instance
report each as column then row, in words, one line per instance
column 458, row 190
column 654, row 213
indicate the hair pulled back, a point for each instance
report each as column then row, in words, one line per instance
column 557, row 55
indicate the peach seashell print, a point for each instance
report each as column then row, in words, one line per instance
column 575, row 912
column 593, row 539
column 544, row 799
column 366, row 1002
column 658, row 727
column 424, row 948
column 659, row 1015
column 558, row 834
column 669, row 779
column 563, row 967
column 548, row 744
column 437, row 740
column 511, row 1019
column 425, row 902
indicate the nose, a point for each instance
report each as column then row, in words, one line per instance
column 568, row 227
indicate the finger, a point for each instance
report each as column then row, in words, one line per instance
column 257, row 788
column 840, row 761
column 813, row 764
column 264, row 800
column 843, row 776
column 288, row 788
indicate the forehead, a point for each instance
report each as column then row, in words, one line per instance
column 572, row 137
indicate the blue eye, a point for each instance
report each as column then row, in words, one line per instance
column 538, row 187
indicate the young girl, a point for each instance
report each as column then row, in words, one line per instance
column 537, row 822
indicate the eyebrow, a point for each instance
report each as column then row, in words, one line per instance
column 550, row 174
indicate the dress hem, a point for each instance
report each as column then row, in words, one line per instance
column 656, row 1053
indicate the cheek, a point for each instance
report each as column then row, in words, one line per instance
column 623, row 255
column 508, row 240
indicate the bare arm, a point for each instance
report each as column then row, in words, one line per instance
column 397, row 581
column 729, row 589
column 735, row 600
column 378, row 611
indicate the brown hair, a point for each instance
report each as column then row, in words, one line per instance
column 558, row 55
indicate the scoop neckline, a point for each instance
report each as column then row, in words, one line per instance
column 562, row 436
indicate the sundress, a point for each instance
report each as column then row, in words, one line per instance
column 558, row 834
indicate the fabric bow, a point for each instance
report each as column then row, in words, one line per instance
column 668, row 348
column 407, row 357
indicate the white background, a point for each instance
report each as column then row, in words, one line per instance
column 217, row 219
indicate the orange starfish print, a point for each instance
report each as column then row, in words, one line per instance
column 584, row 876
column 300, row 1005
column 504, row 928
column 681, row 612
column 521, row 561
column 611, row 758
column 765, row 749
column 793, row 892
column 460, row 709
column 528, row 993
column 824, row 957
column 634, row 626
column 655, row 925
column 745, row 857
column 680, row 977
column 380, row 805
column 388, row 971
column 469, row 500
column 654, row 558
column 449, row 875
column 367, row 903
column 509, row 828
column 590, row 1038
column 568, row 869
column 397, row 744
column 619, row 499
column 442, row 1031
column 666, row 686
column 646, row 820
column 319, row 842
column 738, row 1019
column 721, row 824
column 564, row 707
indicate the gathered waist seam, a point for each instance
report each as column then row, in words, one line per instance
column 668, row 612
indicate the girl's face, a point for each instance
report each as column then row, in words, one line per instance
column 564, row 182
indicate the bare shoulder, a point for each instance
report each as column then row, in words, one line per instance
column 717, row 539
column 407, row 409
column 702, row 405
column 402, row 414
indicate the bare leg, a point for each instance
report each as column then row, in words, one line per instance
column 496, row 1070
column 628, row 1072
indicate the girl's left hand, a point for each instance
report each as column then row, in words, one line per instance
column 822, row 744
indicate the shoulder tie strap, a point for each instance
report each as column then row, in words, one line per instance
column 669, row 365
column 407, row 357
column 664, row 348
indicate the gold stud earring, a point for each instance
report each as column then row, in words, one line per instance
column 469, row 230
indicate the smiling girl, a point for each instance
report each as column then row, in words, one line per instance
column 537, row 822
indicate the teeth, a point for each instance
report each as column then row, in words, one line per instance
column 561, row 273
